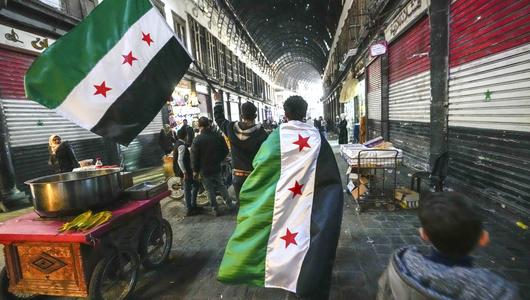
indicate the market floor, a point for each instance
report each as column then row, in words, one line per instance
column 366, row 242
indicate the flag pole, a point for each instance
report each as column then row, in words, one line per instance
column 204, row 76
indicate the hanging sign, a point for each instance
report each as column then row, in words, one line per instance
column 14, row 37
column 378, row 48
column 408, row 14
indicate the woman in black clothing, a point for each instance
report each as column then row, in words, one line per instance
column 62, row 157
column 343, row 131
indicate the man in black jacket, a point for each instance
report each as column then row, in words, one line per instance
column 190, row 134
column 182, row 169
column 208, row 151
column 166, row 139
column 245, row 138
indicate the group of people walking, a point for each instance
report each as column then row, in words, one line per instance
column 199, row 159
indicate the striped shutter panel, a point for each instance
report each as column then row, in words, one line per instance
column 144, row 151
column 374, row 98
column 410, row 95
column 489, row 96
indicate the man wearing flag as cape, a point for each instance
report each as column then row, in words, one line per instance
column 290, row 215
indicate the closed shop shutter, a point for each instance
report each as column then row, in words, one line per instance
column 29, row 127
column 409, row 94
column 144, row 151
column 374, row 98
column 13, row 66
column 489, row 96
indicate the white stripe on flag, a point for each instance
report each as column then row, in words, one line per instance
column 284, row 261
column 117, row 75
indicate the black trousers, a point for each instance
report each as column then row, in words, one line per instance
column 238, row 183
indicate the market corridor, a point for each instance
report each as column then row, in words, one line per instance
column 365, row 244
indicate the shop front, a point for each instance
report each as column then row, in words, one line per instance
column 27, row 125
column 409, row 95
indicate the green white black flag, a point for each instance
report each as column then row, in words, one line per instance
column 113, row 72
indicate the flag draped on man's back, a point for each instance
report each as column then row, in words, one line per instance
column 290, row 214
column 113, row 72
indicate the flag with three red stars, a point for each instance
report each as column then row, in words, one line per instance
column 113, row 72
column 289, row 218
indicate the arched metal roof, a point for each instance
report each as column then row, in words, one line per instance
column 295, row 35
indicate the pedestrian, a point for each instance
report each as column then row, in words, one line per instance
column 454, row 228
column 323, row 127
column 62, row 157
column 317, row 124
column 343, row 130
column 291, row 211
column 208, row 151
column 182, row 169
column 190, row 133
column 166, row 139
column 245, row 138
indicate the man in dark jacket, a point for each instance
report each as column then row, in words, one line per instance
column 182, row 169
column 245, row 139
column 166, row 139
column 208, row 151
column 190, row 134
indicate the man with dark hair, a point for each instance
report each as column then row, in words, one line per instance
column 453, row 225
column 182, row 169
column 190, row 134
column 245, row 138
column 295, row 108
column 291, row 211
column 166, row 139
column 208, row 151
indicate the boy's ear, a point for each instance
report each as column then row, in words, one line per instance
column 484, row 239
column 423, row 234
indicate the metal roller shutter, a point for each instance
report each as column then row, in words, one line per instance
column 489, row 96
column 144, row 151
column 410, row 95
column 374, row 98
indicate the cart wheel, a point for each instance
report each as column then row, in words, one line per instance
column 390, row 207
column 156, row 244
column 174, row 184
column 378, row 204
column 115, row 276
column 5, row 294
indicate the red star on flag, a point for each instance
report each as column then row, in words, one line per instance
column 296, row 189
column 128, row 59
column 289, row 238
column 302, row 143
column 147, row 38
column 102, row 89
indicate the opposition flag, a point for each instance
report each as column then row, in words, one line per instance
column 113, row 72
column 290, row 215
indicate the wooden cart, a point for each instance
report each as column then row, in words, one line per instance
column 101, row 263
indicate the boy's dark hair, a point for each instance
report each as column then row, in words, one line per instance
column 295, row 108
column 204, row 122
column 248, row 111
column 181, row 134
column 451, row 222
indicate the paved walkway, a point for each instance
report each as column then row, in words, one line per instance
column 366, row 242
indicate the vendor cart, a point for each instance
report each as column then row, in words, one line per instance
column 101, row 263
column 373, row 174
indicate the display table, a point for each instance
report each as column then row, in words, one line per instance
column 40, row 260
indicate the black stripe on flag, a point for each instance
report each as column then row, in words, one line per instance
column 314, row 280
column 144, row 98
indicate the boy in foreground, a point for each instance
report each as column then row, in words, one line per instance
column 454, row 228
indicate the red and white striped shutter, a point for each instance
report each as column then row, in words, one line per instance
column 489, row 96
column 410, row 93
column 374, row 98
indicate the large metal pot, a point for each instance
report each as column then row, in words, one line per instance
column 74, row 192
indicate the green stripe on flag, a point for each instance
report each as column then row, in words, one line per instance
column 82, row 47
column 244, row 259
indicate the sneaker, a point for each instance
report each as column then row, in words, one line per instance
column 229, row 203
column 190, row 213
